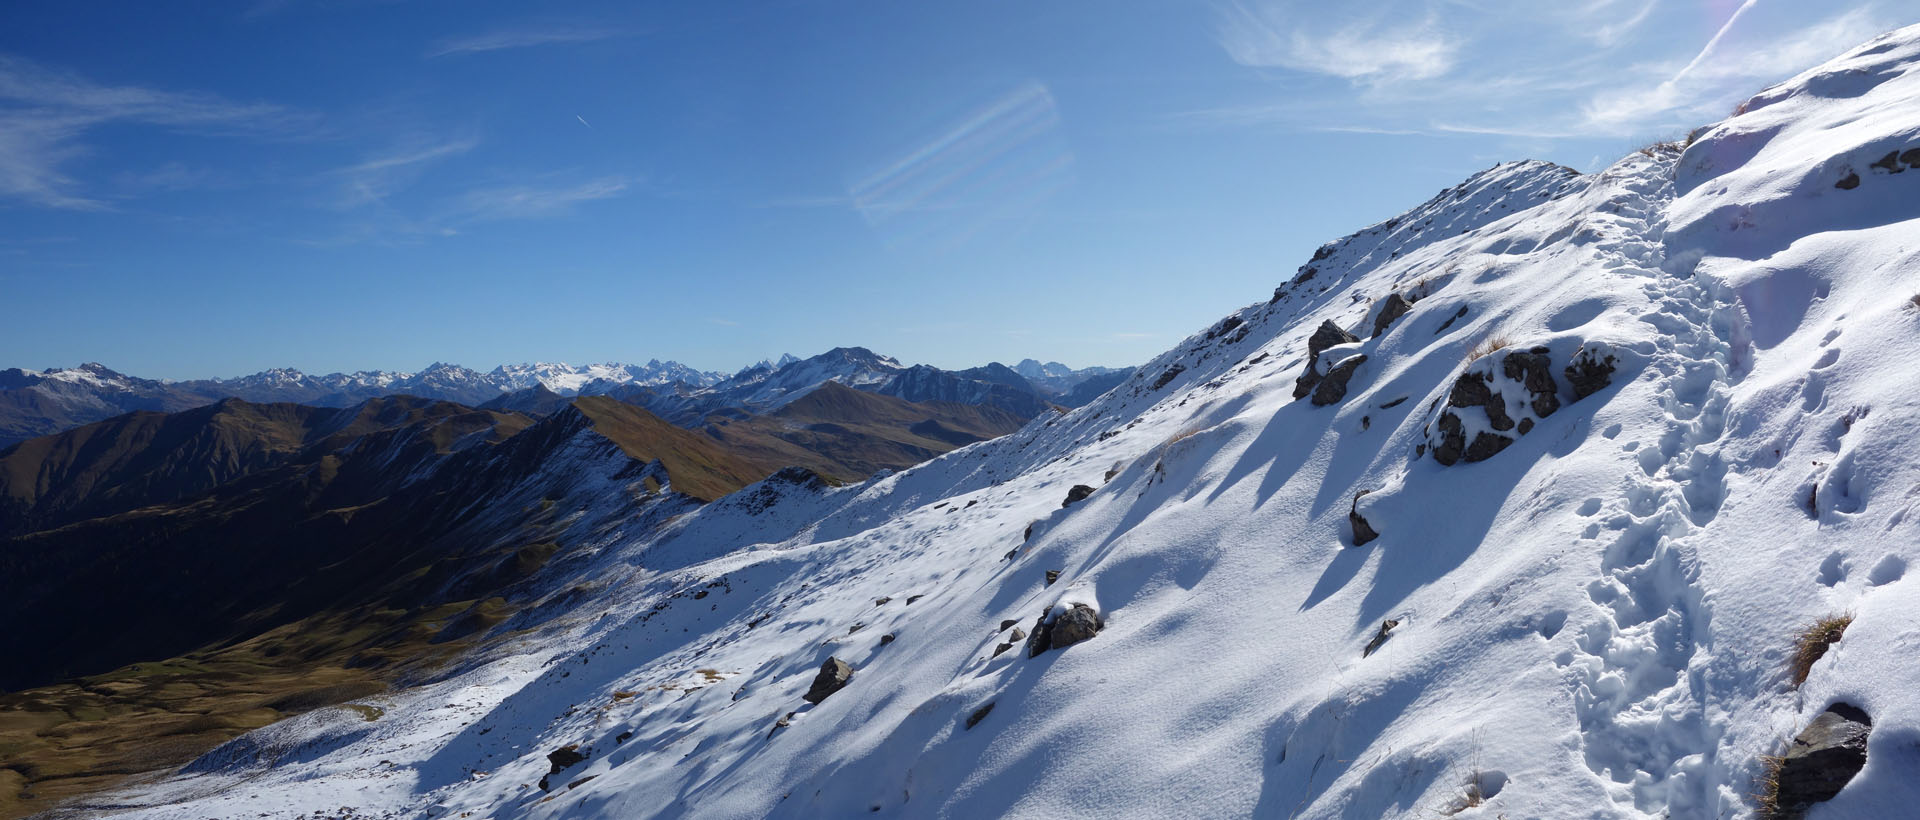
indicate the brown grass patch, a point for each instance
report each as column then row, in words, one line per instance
column 1766, row 797
column 1487, row 346
column 1812, row 644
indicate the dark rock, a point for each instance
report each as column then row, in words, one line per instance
column 1328, row 335
column 1333, row 387
column 886, row 639
column 1053, row 575
column 1362, row 531
column 1471, row 390
column 1590, row 371
column 1008, row 624
column 1018, row 634
column 1848, row 182
column 576, row 783
column 1824, row 758
column 1028, row 536
column 1450, row 320
column 1168, row 375
column 1076, row 495
column 559, row 760
column 1380, row 637
column 1525, row 426
column 1533, row 369
column 881, row 601
column 781, row 723
column 1039, row 641
column 1392, row 404
column 1002, row 648
column 834, row 674
column 1391, row 310
column 1226, row 326
column 912, row 598
column 1325, row 336
column 1889, row 163
column 564, row 758
column 978, row 715
column 624, row 736
column 1076, row 624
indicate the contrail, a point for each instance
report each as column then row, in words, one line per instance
column 1717, row 36
column 583, row 121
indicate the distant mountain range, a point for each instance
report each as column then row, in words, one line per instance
column 44, row 402
column 352, row 498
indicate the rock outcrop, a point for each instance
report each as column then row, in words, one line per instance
column 1076, row 495
column 1503, row 394
column 1333, row 387
column 560, row 760
column 1076, row 623
column 1824, row 758
column 1362, row 530
column 1326, row 336
column 1591, row 369
column 833, row 677
column 1391, row 309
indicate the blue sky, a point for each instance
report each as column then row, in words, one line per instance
column 210, row 189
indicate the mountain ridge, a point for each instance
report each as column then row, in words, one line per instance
column 1511, row 505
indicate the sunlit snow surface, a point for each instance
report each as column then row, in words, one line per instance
column 1593, row 623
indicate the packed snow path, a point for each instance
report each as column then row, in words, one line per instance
column 1642, row 708
column 1589, row 621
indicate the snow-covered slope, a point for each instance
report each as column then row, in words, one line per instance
column 1590, row 618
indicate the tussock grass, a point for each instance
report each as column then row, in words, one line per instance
column 1766, row 797
column 1488, row 346
column 1813, row 642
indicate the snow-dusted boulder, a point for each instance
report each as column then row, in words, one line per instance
column 1328, row 335
column 1391, row 309
column 1590, row 370
column 1824, row 758
column 833, row 677
column 1333, row 387
column 1076, row 623
column 1502, row 395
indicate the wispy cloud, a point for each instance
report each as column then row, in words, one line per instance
column 46, row 113
column 1701, row 88
column 1375, row 50
column 374, row 179
column 533, row 201
column 521, row 38
column 1541, row 71
column 722, row 322
column 994, row 163
column 806, row 202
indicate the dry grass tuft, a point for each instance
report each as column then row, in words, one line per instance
column 1487, row 346
column 1813, row 642
column 1766, row 800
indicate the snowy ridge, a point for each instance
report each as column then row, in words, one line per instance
column 1592, row 621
